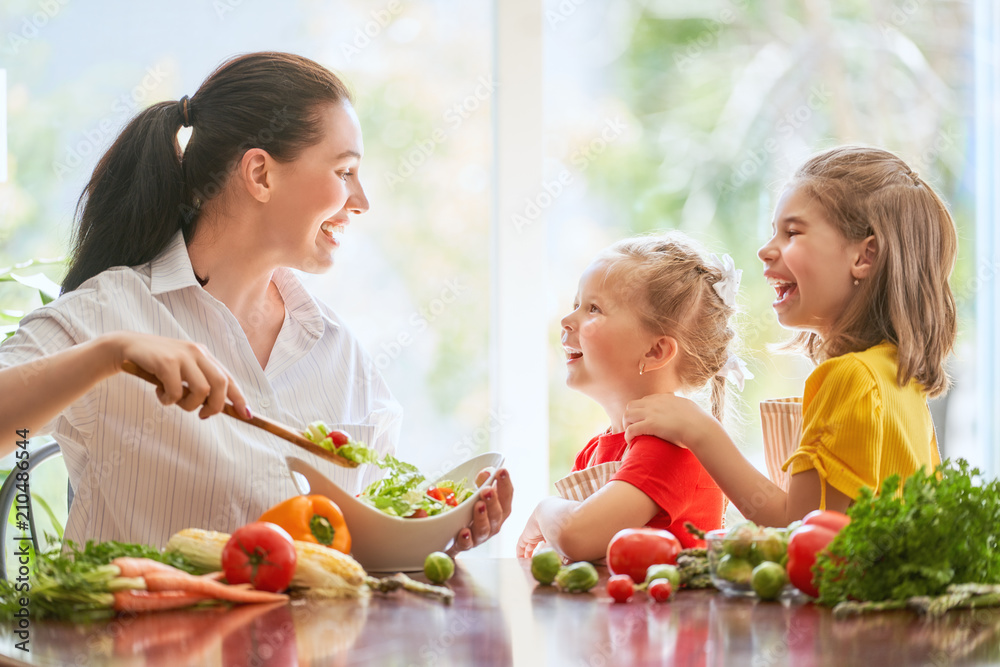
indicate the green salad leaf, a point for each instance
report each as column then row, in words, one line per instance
column 403, row 490
column 940, row 529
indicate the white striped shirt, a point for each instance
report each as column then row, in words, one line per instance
column 142, row 471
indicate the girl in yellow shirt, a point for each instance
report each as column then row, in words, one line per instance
column 860, row 257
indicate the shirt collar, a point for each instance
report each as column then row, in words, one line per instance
column 299, row 304
column 171, row 269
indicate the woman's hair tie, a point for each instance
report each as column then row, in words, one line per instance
column 184, row 106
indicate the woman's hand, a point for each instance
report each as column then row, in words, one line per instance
column 179, row 364
column 668, row 417
column 530, row 538
column 489, row 513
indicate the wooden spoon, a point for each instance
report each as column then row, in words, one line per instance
column 269, row 425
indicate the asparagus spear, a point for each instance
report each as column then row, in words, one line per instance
column 400, row 580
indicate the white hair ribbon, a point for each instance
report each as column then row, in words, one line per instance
column 735, row 370
column 730, row 283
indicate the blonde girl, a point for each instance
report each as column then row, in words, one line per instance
column 860, row 256
column 651, row 315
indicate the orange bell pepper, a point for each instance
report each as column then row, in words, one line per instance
column 314, row 518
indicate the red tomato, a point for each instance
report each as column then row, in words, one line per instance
column 829, row 519
column 620, row 587
column 660, row 590
column 803, row 546
column 632, row 550
column 418, row 514
column 443, row 495
column 338, row 438
column 261, row 554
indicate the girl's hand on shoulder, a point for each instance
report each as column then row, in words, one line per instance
column 178, row 364
column 668, row 417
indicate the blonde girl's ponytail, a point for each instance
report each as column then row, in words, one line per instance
column 718, row 383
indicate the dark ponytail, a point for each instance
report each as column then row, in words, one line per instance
column 129, row 210
column 143, row 190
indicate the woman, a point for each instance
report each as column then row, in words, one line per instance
column 180, row 264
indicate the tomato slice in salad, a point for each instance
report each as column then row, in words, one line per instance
column 443, row 495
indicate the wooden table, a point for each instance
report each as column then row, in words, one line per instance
column 500, row 617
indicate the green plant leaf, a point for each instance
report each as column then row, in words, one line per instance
column 47, row 288
column 52, row 515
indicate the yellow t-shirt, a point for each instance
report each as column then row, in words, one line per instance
column 859, row 426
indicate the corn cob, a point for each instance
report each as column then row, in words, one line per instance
column 324, row 571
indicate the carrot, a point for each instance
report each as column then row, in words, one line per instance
column 155, row 601
column 161, row 577
column 137, row 567
column 168, row 581
column 214, row 576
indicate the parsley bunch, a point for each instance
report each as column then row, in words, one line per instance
column 942, row 529
column 73, row 583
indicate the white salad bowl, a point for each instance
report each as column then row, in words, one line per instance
column 385, row 543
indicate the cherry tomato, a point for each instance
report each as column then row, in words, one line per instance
column 803, row 546
column 443, row 495
column 829, row 519
column 620, row 587
column 338, row 438
column 660, row 590
column 261, row 554
column 632, row 550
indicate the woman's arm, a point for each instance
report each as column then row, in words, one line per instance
column 683, row 422
column 582, row 530
column 36, row 391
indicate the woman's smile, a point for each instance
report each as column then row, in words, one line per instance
column 333, row 230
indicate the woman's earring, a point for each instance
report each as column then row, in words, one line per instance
column 856, row 282
column 642, row 367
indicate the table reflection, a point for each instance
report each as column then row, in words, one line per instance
column 501, row 617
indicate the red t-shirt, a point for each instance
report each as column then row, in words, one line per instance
column 670, row 475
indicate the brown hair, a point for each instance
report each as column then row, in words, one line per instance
column 142, row 190
column 906, row 299
column 676, row 298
